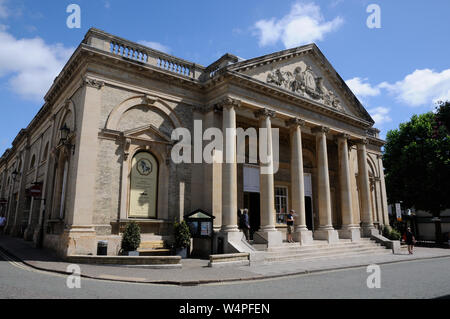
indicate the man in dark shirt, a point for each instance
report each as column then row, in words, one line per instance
column 290, row 225
column 245, row 224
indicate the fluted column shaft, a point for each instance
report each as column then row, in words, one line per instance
column 344, row 182
column 229, row 168
column 364, row 188
column 297, row 175
column 325, row 221
column 267, row 192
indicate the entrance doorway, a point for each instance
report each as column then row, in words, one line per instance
column 251, row 202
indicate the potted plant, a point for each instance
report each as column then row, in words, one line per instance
column 182, row 238
column 131, row 239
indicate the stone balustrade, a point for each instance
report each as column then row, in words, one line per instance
column 142, row 54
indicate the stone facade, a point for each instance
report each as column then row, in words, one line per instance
column 118, row 99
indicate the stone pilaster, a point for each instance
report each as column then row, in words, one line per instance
column 301, row 234
column 325, row 230
column 349, row 229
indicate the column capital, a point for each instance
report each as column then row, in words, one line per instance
column 264, row 113
column 320, row 129
column 96, row 84
column 228, row 103
column 343, row 136
column 294, row 122
column 362, row 141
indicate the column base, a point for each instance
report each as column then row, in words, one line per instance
column 231, row 241
column 229, row 229
column 79, row 240
column 351, row 232
column 28, row 234
column 303, row 235
column 271, row 237
column 331, row 235
column 369, row 230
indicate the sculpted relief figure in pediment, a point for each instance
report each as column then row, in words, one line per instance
column 303, row 81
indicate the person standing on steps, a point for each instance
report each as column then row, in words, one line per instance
column 245, row 224
column 290, row 225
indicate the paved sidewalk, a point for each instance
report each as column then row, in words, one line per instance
column 195, row 271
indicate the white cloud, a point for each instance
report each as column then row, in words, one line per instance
column 421, row 87
column 30, row 64
column 380, row 115
column 362, row 88
column 304, row 24
column 155, row 45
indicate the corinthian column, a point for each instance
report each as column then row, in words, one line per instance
column 364, row 190
column 349, row 229
column 229, row 166
column 325, row 230
column 267, row 231
column 301, row 234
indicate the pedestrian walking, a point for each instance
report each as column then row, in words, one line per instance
column 410, row 240
column 2, row 223
column 290, row 225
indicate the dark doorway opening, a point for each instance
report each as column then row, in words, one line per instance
column 309, row 213
column 251, row 202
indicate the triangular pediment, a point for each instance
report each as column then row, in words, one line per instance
column 148, row 132
column 305, row 72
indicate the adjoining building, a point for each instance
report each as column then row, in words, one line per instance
column 100, row 150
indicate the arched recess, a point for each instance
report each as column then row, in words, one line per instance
column 162, row 182
column 374, row 179
column 116, row 114
column 68, row 117
column 62, row 164
column 143, row 190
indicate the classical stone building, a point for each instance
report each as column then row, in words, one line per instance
column 100, row 150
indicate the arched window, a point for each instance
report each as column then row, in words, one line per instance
column 143, row 186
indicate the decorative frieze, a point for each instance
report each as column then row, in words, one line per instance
column 304, row 82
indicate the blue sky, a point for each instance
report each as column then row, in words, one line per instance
column 397, row 70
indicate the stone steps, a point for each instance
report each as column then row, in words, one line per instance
column 327, row 256
column 320, row 249
column 312, row 248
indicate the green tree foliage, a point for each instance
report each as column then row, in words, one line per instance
column 417, row 162
column 131, row 238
